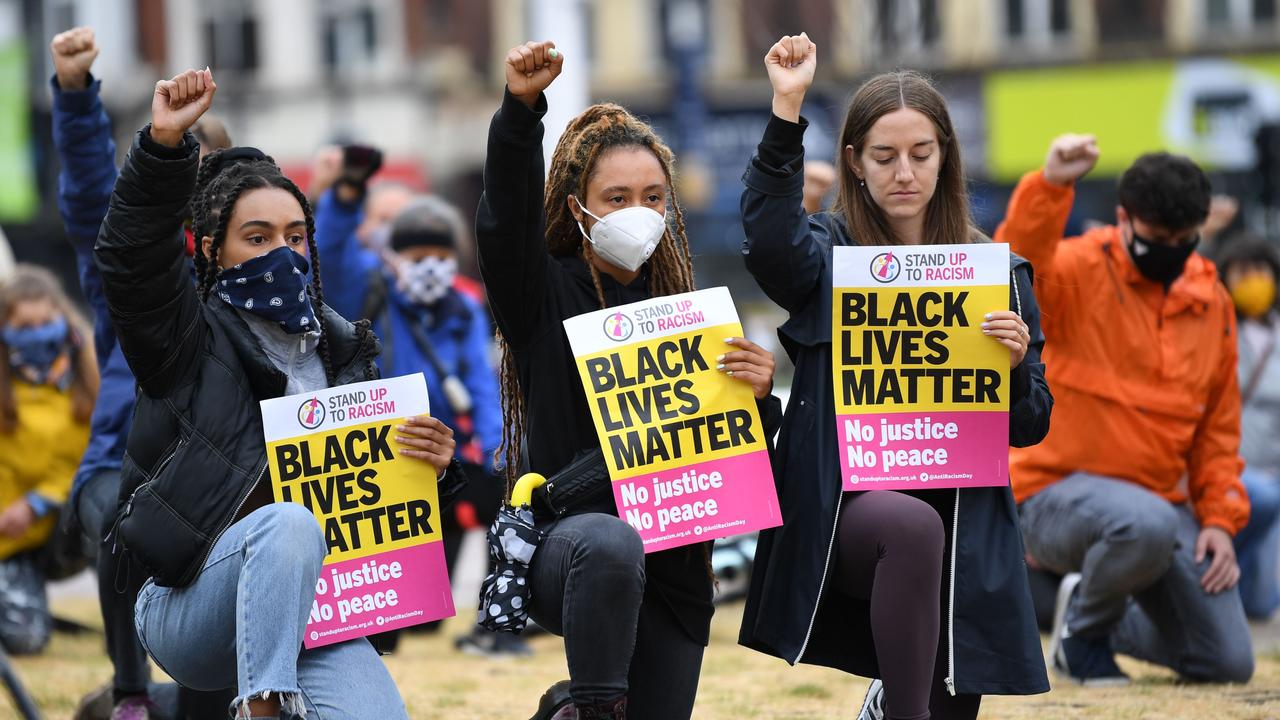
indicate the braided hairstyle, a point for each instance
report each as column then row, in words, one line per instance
column 597, row 131
column 223, row 177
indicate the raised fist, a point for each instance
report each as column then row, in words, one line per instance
column 531, row 68
column 791, row 63
column 73, row 53
column 178, row 103
column 1070, row 158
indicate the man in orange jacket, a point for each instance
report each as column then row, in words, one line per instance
column 1135, row 493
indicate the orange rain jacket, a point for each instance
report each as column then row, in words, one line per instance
column 1144, row 382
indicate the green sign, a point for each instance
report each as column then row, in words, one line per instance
column 18, row 198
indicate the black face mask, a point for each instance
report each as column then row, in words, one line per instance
column 1157, row 261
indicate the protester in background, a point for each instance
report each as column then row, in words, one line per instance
column 48, row 383
column 819, row 178
column 634, row 625
column 426, row 325
column 1250, row 268
column 199, row 514
column 854, row 580
column 1135, row 494
column 82, row 138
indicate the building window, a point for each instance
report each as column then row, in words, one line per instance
column 1037, row 23
column 905, row 29
column 349, row 35
column 1240, row 17
column 1133, row 21
column 230, row 30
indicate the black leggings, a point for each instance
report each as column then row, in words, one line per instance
column 890, row 553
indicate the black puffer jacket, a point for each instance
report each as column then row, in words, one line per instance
column 196, row 449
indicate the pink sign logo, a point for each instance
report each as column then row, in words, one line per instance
column 885, row 267
column 618, row 327
column 311, row 413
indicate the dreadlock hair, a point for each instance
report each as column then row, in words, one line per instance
column 223, row 177
column 599, row 130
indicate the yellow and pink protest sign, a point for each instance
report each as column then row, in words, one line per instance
column 684, row 442
column 921, row 395
column 334, row 452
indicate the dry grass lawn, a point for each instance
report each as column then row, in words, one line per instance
column 736, row 683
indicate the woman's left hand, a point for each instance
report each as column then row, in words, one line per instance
column 751, row 364
column 426, row 438
column 1006, row 328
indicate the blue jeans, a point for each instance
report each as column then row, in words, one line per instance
column 1258, row 546
column 240, row 623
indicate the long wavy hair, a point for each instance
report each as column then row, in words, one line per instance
column 947, row 219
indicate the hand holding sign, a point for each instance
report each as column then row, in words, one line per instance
column 752, row 365
column 426, row 438
column 1006, row 328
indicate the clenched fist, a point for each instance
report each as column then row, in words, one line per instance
column 73, row 54
column 791, row 63
column 1070, row 158
column 531, row 68
column 178, row 103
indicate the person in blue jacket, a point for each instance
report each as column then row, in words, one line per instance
column 82, row 137
column 426, row 325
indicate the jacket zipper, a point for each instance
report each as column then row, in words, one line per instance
column 231, row 519
column 951, row 603
column 826, row 566
column 128, row 506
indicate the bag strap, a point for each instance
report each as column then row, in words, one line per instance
column 1255, row 376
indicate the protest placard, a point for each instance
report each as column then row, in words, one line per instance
column 683, row 441
column 334, row 451
column 921, row 395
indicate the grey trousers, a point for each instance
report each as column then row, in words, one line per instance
column 1141, row 583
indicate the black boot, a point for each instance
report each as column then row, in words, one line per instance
column 556, row 704
column 615, row 709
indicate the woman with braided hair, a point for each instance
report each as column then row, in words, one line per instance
column 606, row 230
column 232, row 574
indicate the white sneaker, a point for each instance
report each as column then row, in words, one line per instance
column 873, row 705
column 1065, row 591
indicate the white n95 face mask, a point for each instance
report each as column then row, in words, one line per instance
column 626, row 237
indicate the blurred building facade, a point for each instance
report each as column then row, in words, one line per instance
column 420, row 78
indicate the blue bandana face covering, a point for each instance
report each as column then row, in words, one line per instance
column 34, row 350
column 272, row 286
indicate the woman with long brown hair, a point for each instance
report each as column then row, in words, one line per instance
column 605, row 230
column 924, row 590
column 48, row 384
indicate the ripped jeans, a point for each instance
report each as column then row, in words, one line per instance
column 240, row 624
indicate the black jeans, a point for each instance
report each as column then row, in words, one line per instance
column 119, row 581
column 587, row 582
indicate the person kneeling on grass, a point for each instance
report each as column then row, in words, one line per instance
column 233, row 574
column 48, row 384
column 1135, row 493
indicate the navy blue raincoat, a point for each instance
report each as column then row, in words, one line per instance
column 988, row 624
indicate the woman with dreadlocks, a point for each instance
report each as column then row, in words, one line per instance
column 233, row 574
column 606, row 230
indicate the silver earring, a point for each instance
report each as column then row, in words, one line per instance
column 862, row 183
